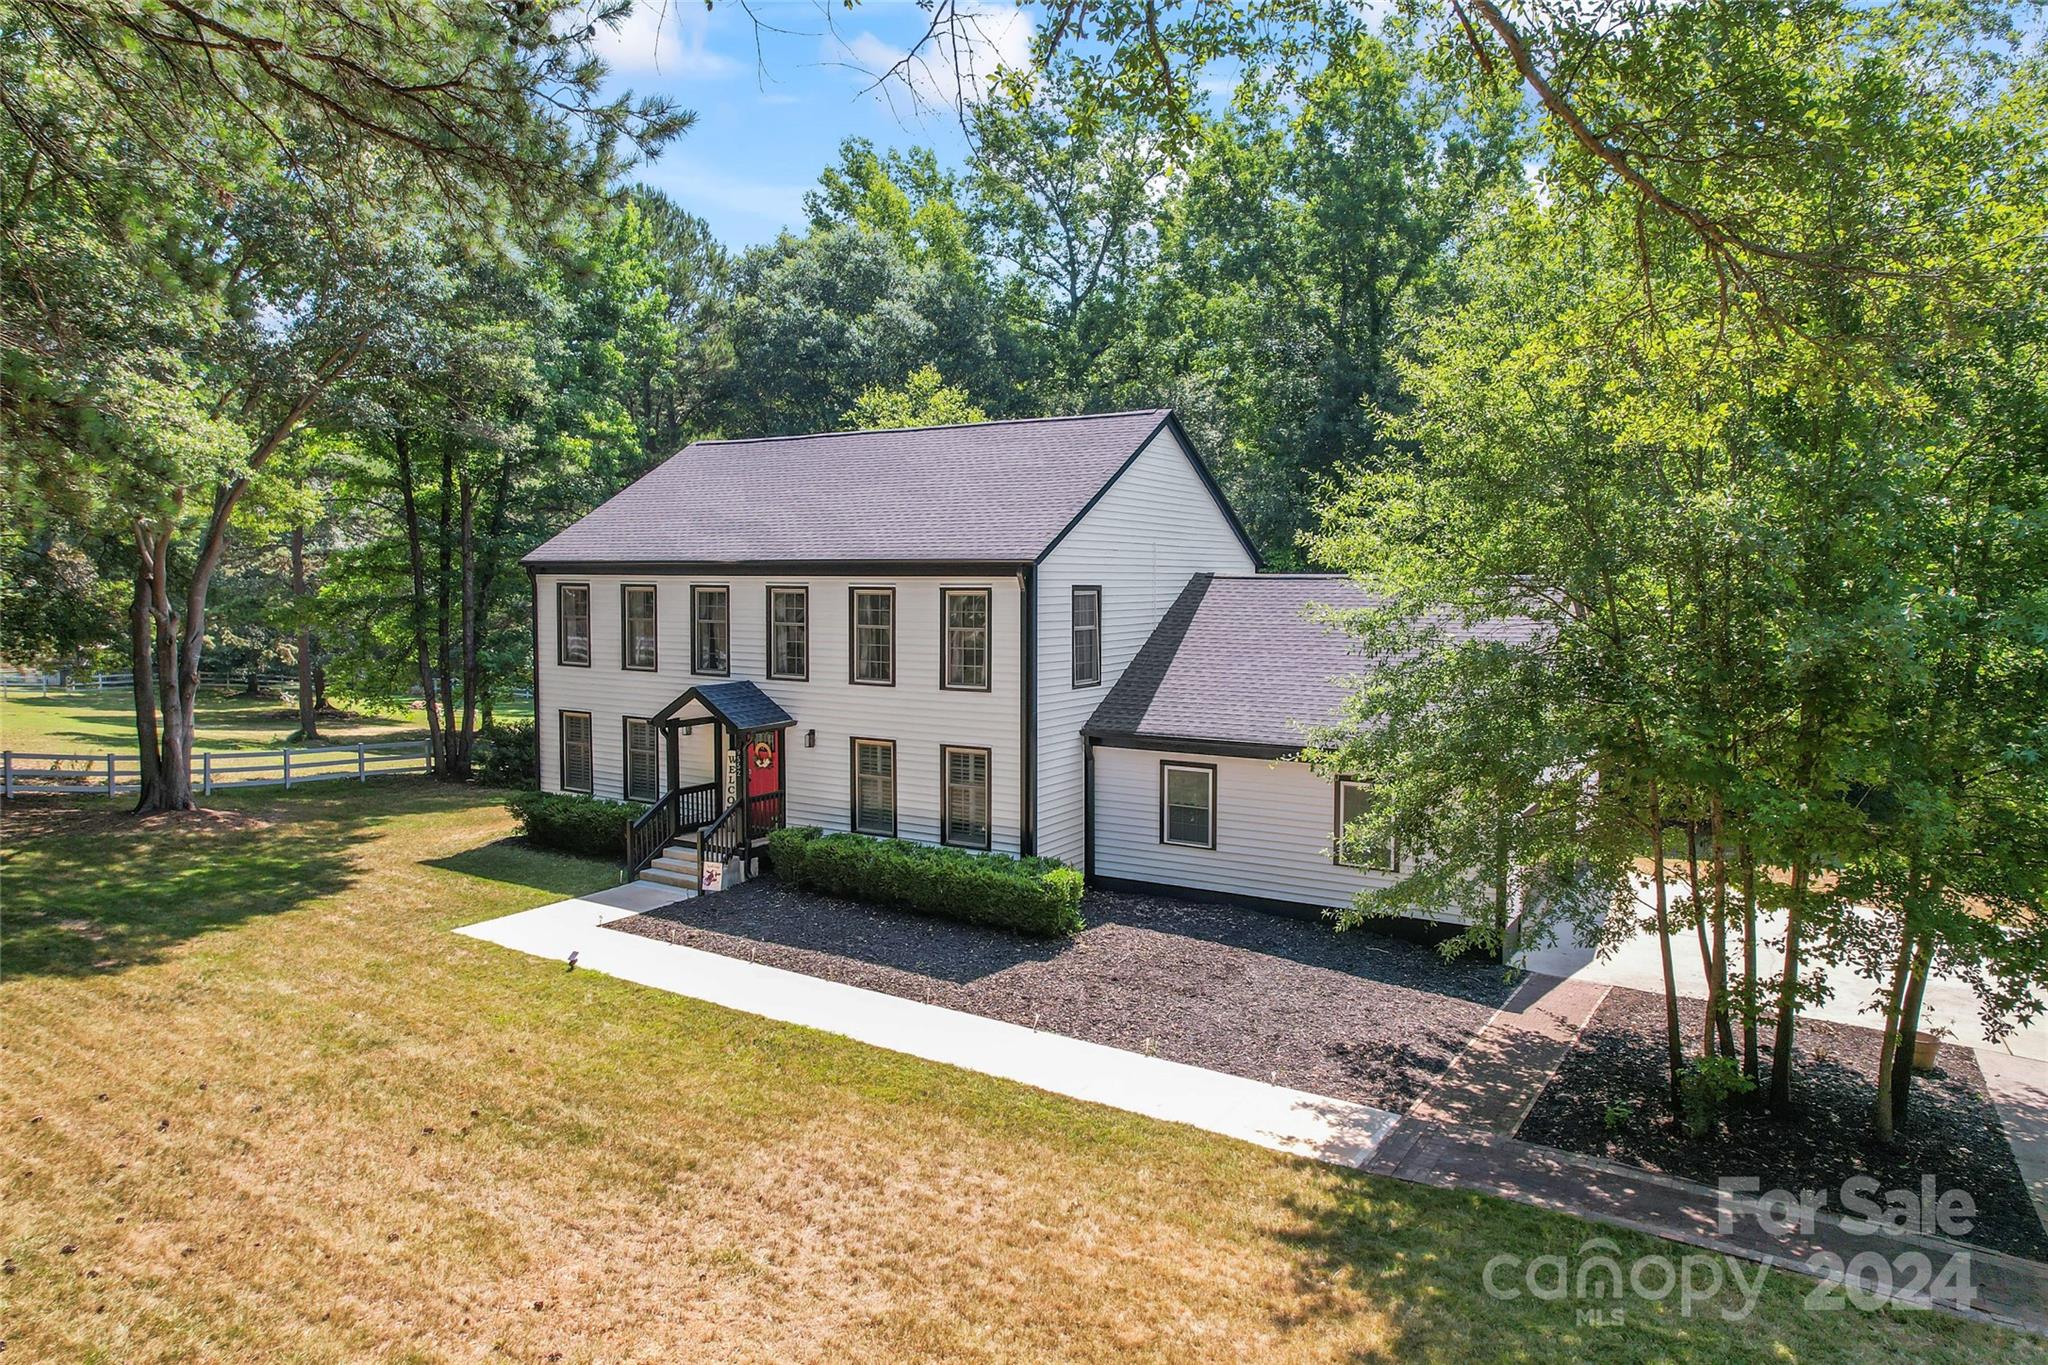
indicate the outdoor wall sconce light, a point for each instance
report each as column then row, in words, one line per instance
column 810, row 739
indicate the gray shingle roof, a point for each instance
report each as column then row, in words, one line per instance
column 739, row 703
column 1236, row 666
column 990, row 491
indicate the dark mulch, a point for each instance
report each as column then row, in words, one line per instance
column 1953, row 1134
column 1357, row 1016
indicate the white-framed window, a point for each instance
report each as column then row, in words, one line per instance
column 874, row 787
column 1187, row 804
column 966, row 622
column 965, row 820
column 710, row 630
column 874, row 636
column 789, row 633
column 576, row 767
column 1354, row 801
column 643, row 761
column 572, row 624
column 641, row 649
column 1087, row 647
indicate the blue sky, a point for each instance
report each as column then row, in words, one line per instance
column 768, row 122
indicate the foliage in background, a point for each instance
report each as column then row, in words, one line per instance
column 1750, row 472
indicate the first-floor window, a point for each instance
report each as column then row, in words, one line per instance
column 642, row 782
column 576, row 751
column 966, row 821
column 1187, row 804
column 874, row 787
column 1354, row 802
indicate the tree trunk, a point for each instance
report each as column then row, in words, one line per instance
column 466, row 742
column 145, row 699
column 1895, row 994
column 1909, row 1027
column 422, row 650
column 1699, row 925
column 1673, row 1035
column 1788, row 995
column 1717, row 981
column 1750, row 1065
column 309, row 709
column 444, row 626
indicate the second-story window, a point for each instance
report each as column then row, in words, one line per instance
column 572, row 624
column 966, row 664
column 710, row 631
column 640, row 651
column 1087, row 649
column 789, row 633
column 874, row 635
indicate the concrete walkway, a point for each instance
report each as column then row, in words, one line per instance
column 1495, row 1081
column 1445, row 1147
column 1273, row 1116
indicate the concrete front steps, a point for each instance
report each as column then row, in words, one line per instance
column 675, row 866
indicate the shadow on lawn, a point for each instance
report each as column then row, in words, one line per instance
column 516, row 862
column 91, row 888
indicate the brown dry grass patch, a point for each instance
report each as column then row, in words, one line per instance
column 303, row 1121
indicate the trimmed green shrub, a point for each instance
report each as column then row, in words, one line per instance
column 506, row 756
column 573, row 824
column 1032, row 895
column 1704, row 1089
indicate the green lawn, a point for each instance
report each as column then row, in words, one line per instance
column 260, row 1103
column 100, row 722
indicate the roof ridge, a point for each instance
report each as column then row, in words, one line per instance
column 1285, row 573
column 935, row 426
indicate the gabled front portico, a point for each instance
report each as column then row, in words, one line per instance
column 729, row 816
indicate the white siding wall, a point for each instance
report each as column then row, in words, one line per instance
column 916, row 713
column 1275, row 824
column 1155, row 528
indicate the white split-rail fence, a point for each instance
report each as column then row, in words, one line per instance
column 25, row 774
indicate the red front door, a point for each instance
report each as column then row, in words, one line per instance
column 764, row 776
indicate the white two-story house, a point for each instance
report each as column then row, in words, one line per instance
column 1045, row 636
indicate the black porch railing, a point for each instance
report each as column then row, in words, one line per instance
column 764, row 812
column 722, row 839
column 678, row 812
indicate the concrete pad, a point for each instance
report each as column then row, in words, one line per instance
column 1634, row 963
column 1272, row 1116
column 2019, row 1086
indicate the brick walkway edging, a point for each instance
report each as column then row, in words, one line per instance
column 2011, row 1292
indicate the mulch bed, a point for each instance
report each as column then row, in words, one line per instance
column 1357, row 1016
column 1953, row 1132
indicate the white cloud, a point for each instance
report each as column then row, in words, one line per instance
column 953, row 64
column 663, row 38
column 697, row 186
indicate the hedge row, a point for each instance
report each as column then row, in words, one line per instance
column 573, row 824
column 1033, row 895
